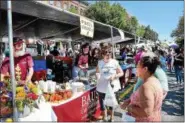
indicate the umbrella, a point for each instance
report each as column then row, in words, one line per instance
column 175, row 46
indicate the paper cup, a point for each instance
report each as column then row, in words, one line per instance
column 45, row 87
column 53, row 87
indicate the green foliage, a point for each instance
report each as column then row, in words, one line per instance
column 114, row 14
column 99, row 11
column 140, row 30
column 150, row 34
column 178, row 33
column 132, row 24
column 118, row 17
column 180, row 41
column 73, row 10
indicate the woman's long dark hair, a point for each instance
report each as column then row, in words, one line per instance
column 151, row 61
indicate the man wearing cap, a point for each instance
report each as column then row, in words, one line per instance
column 23, row 63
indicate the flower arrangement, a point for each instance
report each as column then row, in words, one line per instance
column 5, row 99
column 25, row 96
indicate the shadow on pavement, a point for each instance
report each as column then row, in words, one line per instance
column 174, row 103
column 118, row 114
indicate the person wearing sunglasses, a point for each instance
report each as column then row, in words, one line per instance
column 108, row 71
column 23, row 63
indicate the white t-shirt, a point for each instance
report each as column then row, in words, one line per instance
column 106, row 71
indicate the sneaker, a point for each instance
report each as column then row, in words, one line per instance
column 110, row 120
column 103, row 120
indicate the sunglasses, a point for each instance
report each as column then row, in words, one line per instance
column 107, row 52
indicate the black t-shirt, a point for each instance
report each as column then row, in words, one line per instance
column 179, row 60
column 55, row 52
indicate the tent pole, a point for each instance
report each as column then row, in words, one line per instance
column 12, row 72
column 135, row 39
column 113, row 50
column 62, row 33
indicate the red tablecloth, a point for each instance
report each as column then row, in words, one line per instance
column 79, row 109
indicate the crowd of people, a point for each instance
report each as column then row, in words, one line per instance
column 151, row 86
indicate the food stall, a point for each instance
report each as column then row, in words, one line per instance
column 44, row 96
column 54, row 100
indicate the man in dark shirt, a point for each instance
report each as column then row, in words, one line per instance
column 55, row 52
column 178, row 65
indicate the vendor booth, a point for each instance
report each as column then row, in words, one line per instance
column 51, row 91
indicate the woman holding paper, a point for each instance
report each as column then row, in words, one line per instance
column 108, row 72
column 146, row 102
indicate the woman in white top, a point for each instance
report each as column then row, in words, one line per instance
column 108, row 70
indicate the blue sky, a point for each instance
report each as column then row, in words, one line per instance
column 162, row 16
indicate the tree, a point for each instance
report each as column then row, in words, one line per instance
column 73, row 10
column 99, row 11
column 178, row 33
column 114, row 14
column 118, row 17
column 147, row 32
column 150, row 34
column 140, row 30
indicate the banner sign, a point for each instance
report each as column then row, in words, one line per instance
column 81, row 109
column 86, row 27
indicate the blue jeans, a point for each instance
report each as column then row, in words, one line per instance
column 82, row 73
column 178, row 73
column 101, row 100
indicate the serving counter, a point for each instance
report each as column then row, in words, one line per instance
column 80, row 108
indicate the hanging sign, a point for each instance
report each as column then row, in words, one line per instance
column 86, row 27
